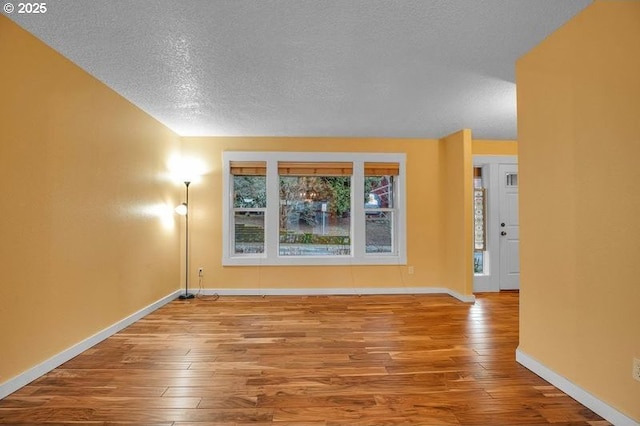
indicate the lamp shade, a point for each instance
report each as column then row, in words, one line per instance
column 182, row 209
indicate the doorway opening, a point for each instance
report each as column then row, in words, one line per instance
column 496, row 258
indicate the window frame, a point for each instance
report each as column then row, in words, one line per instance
column 271, row 255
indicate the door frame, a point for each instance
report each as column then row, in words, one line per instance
column 490, row 281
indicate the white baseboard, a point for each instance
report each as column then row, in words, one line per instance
column 599, row 407
column 334, row 291
column 33, row 373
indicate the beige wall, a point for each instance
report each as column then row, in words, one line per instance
column 579, row 145
column 423, row 216
column 494, row 147
column 83, row 181
column 457, row 238
column 439, row 238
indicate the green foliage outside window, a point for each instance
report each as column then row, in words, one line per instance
column 250, row 191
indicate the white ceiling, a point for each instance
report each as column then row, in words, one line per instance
column 387, row 68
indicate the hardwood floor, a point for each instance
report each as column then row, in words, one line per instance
column 334, row 360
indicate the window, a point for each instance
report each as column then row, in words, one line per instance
column 302, row 208
column 315, row 215
column 379, row 203
column 479, row 222
column 249, row 206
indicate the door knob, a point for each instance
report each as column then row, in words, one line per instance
column 503, row 233
column 502, row 224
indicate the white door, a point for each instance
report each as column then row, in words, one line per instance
column 509, row 228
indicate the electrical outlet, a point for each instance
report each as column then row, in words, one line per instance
column 410, row 271
column 200, row 272
column 636, row 369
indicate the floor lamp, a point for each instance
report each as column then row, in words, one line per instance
column 183, row 209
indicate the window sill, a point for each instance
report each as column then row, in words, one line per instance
column 314, row 261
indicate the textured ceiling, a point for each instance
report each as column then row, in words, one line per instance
column 388, row 68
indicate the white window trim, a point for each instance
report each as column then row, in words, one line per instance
column 271, row 255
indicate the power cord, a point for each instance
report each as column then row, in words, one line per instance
column 200, row 296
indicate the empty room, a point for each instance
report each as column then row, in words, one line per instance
column 340, row 212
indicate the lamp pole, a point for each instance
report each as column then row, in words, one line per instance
column 186, row 294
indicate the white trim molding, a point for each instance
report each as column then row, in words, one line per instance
column 327, row 291
column 596, row 405
column 55, row 361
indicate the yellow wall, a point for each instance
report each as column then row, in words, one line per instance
column 494, row 147
column 579, row 146
column 83, row 179
column 425, row 213
column 457, row 219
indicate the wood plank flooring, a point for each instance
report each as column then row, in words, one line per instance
column 331, row 360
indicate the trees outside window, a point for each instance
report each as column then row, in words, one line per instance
column 315, row 215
